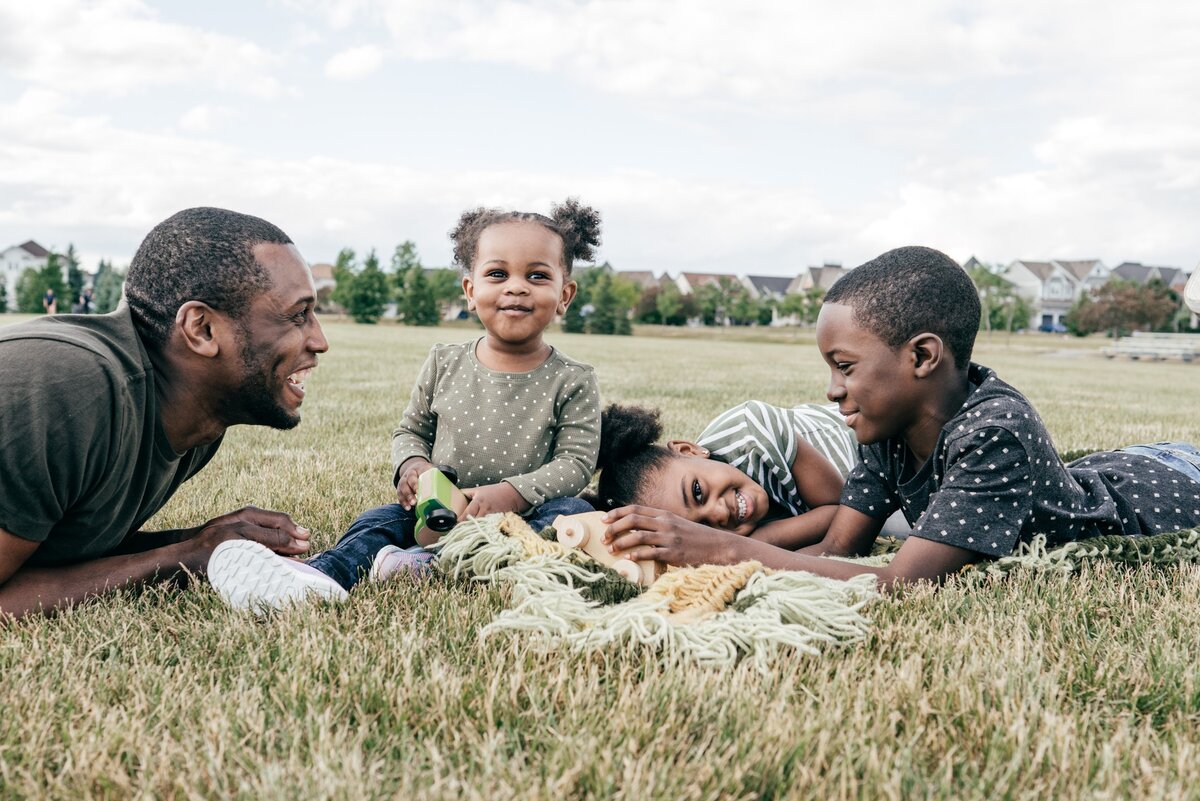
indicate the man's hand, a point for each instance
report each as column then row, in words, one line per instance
column 502, row 497
column 406, row 487
column 641, row 532
column 275, row 530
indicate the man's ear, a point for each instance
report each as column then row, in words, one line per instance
column 568, row 294
column 469, row 291
column 200, row 327
column 683, row 447
column 928, row 352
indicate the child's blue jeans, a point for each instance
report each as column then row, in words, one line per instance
column 1180, row 456
column 350, row 560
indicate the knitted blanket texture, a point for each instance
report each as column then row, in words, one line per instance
column 717, row 614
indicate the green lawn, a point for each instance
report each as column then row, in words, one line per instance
column 1027, row 687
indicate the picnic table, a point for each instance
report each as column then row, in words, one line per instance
column 1155, row 347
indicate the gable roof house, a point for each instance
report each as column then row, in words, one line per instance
column 688, row 283
column 822, row 277
column 1052, row 287
column 1173, row 277
column 769, row 287
column 14, row 261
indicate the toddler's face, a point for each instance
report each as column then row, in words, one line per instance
column 710, row 492
column 518, row 284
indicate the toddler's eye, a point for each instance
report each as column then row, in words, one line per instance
column 697, row 494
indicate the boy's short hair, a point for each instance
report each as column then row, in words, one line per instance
column 909, row 291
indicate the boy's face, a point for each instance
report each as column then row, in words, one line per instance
column 875, row 387
column 518, row 284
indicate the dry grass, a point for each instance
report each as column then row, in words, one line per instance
column 1030, row 687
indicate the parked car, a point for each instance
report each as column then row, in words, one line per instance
column 1052, row 328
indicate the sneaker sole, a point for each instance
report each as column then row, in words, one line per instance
column 250, row 576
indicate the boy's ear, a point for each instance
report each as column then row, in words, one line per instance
column 928, row 351
column 683, row 447
column 469, row 292
column 201, row 328
column 568, row 294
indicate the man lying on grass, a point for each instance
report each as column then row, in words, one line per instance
column 102, row 418
column 962, row 454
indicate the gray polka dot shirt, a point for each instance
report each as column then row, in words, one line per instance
column 539, row 431
column 994, row 480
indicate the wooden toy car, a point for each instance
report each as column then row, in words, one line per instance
column 586, row 532
column 439, row 504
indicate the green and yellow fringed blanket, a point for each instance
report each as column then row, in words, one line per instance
column 716, row 614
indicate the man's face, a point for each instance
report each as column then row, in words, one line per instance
column 874, row 386
column 279, row 338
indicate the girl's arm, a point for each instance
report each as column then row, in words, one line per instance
column 639, row 532
column 819, row 485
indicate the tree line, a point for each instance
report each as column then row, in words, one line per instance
column 72, row 294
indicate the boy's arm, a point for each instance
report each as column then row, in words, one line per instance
column 819, row 485
column 796, row 532
column 850, row 533
column 639, row 532
column 576, row 446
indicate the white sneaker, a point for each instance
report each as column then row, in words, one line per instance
column 392, row 560
column 251, row 576
column 1191, row 292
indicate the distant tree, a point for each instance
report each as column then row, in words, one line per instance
column 344, row 271
column 1002, row 308
column 369, row 292
column 670, row 304
column 33, row 284
column 646, row 311
column 743, row 309
column 3, row 297
column 603, row 319
column 1119, row 307
column 573, row 320
column 75, row 276
column 446, row 284
column 766, row 310
column 805, row 306
column 405, row 257
column 107, row 287
column 417, row 304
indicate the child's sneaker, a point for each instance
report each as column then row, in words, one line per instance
column 251, row 576
column 392, row 560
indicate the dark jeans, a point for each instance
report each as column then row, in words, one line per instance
column 350, row 560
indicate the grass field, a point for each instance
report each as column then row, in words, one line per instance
column 1028, row 687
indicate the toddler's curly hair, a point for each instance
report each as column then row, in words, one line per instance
column 577, row 225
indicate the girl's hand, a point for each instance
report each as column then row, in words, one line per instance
column 641, row 532
column 406, row 487
column 502, row 497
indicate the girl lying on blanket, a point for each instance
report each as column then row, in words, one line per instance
column 756, row 470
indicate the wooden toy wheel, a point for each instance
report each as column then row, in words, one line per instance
column 572, row 534
column 628, row 569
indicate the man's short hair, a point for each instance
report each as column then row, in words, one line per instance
column 909, row 291
column 203, row 254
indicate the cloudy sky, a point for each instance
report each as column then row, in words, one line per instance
column 753, row 137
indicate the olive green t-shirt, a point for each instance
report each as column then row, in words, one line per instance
column 84, row 461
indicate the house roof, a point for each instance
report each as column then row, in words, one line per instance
column 643, row 278
column 770, row 284
column 1041, row 269
column 322, row 272
column 1141, row 273
column 972, row 263
column 700, row 279
column 1078, row 268
column 34, row 249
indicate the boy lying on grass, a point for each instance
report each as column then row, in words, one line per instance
column 963, row 455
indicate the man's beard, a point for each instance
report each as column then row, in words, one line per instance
column 254, row 400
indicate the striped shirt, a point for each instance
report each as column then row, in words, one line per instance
column 760, row 440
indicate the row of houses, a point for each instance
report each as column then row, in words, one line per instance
column 1051, row 287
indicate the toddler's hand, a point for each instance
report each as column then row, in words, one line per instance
column 406, row 487
column 502, row 497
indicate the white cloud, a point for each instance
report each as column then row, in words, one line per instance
column 357, row 62
column 204, row 118
column 120, row 46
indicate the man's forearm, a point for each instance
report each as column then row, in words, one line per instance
column 46, row 589
column 142, row 541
